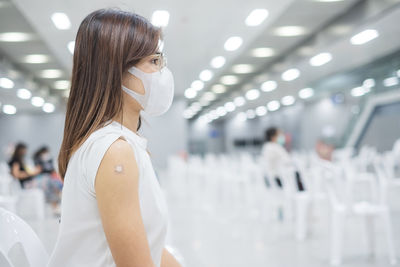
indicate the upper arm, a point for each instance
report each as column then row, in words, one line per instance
column 168, row 260
column 15, row 170
column 119, row 206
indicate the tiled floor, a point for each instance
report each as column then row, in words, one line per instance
column 213, row 228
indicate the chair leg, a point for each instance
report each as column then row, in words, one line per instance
column 337, row 237
column 370, row 234
column 389, row 237
column 301, row 217
column 40, row 206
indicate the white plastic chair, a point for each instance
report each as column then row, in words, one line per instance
column 5, row 179
column 390, row 162
column 297, row 202
column 14, row 231
column 31, row 203
column 28, row 203
column 9, row 202
column 7, row 199
column 344, row 206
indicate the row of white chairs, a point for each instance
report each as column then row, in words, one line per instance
column 15, row 233
column 242, row 177
column 28, row 203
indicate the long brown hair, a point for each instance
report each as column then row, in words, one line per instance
column 108, row 42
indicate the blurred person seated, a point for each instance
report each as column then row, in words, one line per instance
column 48, row 179
column 43, row 159
column 324, row 150
column 18, row 168
column 276, row 157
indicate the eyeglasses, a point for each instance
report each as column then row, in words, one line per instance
column 160, row 60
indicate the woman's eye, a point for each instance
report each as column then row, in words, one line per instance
column 154, row 61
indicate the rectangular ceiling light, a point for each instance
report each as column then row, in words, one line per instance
column 233, row 43
column 390, row 81
column 320, row 59
column 15, row 37
column 364, row 37
column 160, row 18
column 71, row 46
column 256, row 17
column 290, row 75
column 61, row 21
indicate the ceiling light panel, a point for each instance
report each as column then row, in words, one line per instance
column 61, row 21
column 233, row 43
column 48, row 108
column 273, row 105
column 218, row 62
column 160, row 18
column 37, row 101
column 306, row 93
column 218, row 88
column 190, row 93
column 269, row 86
column 262, row 52
column 320, row 59
column 239, row 101
column 51, row 73
column 390, row 81
column 261, row 111
column 24, row 93
column 290, row 74
column 36, row 59
column 209, row 96
column 15, row 37
column 364, row 37
column 206, row 75
column 197, row 85
column 9, row 109
column 71, row 47
column 252, row 94
column 290, row 31
column 62, row 84
column 256, row 17
column 229, row 80
column 242, row 68
column 229, row 106
column 288, row 100
column 6, row 83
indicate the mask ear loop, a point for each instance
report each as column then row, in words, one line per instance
column 122, row 113
column 138, row 74
column 142, row 99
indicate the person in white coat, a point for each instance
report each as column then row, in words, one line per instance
column 276, row 158
column 113, row 211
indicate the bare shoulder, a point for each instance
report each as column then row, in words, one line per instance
column 119, row 151
column 119, row 148
column 119, row 160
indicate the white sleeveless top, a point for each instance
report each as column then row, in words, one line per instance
column 81, row 240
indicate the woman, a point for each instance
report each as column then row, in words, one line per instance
column 277, row 158
column 48, row 179
column 42, row 159
column 17, row 166
column 113, row 212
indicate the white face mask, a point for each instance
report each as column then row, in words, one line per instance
column 281, row 140
column 158, row 90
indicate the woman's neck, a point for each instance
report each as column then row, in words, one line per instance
column 129, row 119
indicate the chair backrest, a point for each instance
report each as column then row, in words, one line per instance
column 7, row 182
column 332, row 181
column 382, row 179
column 14, row 231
